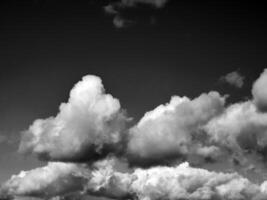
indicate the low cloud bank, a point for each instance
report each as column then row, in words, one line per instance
column 178, row 182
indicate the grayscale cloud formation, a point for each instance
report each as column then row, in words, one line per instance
column 167, row 153
column 234, row 78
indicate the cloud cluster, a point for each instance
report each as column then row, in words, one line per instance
column 90, row 135
column 89, row 125
column 116, row 9
column 234, row 78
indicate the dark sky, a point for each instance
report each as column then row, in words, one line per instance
column 48, row 45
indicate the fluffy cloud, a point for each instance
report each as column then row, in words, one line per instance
column 259, row 91
column 54, row 179
column 234, row 78
column 241, row 126
column 173, row 130
column 88, row 126
column 180, row 182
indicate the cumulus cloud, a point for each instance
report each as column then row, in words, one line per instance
column 171, row 183
column 234, row 78
column 116, row 8
column 54, row 179
column 88, row 126
column 259, row 91
column 240, row 127
column 173, row 130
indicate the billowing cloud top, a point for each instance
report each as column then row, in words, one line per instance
column 169, row 130
column 89, row 125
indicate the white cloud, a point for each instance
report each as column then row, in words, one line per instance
column 234, row 78
column 171, row 183
column 171, row 130
column 54, row 179
column 89, row 125
column 259, row 91
column 241, row 126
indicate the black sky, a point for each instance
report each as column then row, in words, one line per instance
column 46, row 46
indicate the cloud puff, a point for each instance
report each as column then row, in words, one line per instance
column 173, row 130
column 54, row 179
column 88, row 126
column 155, row 3
column 181, row 182
column 116, row 8
column 259, row 91
column 234, row 79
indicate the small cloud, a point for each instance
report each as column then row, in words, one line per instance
column 117, row 8
column 120, row 22
column 90, row 125
column 109, row 9
column 233, row 78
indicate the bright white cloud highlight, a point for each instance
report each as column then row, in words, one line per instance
column 89, row 125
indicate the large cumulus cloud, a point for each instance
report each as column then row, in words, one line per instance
column 89, row 125
column 91, row 128
column 172, row 130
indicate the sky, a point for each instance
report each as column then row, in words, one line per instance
column 143, row 52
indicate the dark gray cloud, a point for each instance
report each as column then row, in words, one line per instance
column 234, row 78
column 259, row 91
column 116, row 9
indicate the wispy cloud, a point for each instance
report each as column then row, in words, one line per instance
column 116, row 9
column 234, row 78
